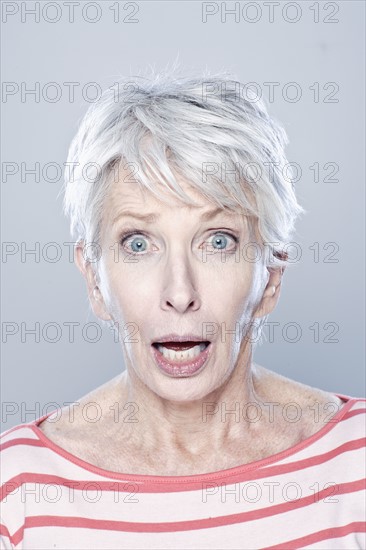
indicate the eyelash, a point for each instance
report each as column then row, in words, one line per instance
column 132, row 232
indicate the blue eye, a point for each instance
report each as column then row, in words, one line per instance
column 221, row 240
column 137, row 244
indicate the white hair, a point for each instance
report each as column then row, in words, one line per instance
column 210, row 129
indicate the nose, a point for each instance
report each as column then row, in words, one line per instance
column 179, row 286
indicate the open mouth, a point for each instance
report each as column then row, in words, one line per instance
column 181, row 351
column 181, row 359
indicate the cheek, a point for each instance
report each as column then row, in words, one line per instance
column 240, row 303
column 131, row 298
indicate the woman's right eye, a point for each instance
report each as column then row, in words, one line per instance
column 134, row 245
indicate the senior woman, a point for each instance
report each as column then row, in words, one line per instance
column 182, row 211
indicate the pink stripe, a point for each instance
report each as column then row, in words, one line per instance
column 112, row 485
column 353, row 413
column 14, row 428
column 169, row 527
column 331, row 533
column 21, row 441
column 4, row 531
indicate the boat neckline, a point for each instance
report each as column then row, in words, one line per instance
column 348, row 401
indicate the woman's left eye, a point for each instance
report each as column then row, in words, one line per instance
column 220, row 240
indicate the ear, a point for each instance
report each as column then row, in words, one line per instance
column 95, row 296
column 271, row 293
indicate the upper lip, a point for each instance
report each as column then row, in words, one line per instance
column 172, row 337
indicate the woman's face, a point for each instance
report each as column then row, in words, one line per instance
column 188, row 271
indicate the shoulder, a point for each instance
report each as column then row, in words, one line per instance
column 18, row 446
column 78, row 427
column 311, row 407
column 285, row 390
column 20, row 460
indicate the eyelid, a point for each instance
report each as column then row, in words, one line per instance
column 130, row 232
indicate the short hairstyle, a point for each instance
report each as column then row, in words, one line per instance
column 210, row 129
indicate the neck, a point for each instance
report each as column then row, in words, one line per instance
column 197, row 426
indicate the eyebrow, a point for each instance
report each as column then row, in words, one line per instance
column 153, row 217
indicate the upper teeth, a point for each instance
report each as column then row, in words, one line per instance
column 181, row 355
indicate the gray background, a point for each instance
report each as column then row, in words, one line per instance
column 35, row 374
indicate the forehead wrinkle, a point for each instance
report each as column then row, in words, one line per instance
column 153, row 217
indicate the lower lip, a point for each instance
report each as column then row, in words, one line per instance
column 184, row 368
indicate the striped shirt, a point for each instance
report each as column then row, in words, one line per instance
column 311, row 495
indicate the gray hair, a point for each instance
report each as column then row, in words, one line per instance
column 211, row 129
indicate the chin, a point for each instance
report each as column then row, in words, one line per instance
column 184, row 390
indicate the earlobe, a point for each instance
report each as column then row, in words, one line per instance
column 98, row 305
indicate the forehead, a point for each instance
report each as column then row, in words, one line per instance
column 129, row 198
